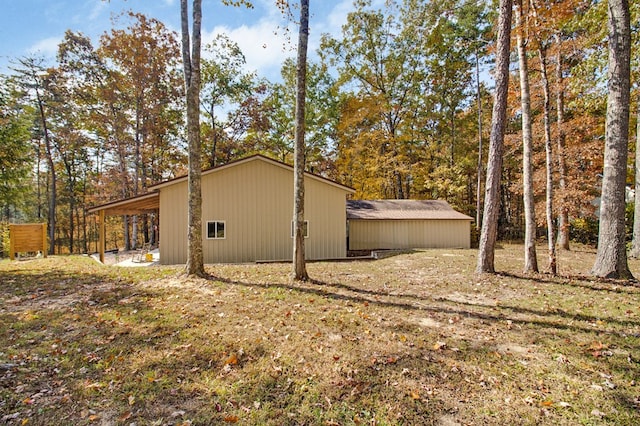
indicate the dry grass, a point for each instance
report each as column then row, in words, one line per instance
column 412, row 339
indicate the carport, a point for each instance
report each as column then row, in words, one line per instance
column 141, row 204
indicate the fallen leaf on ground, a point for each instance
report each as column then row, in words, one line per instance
column 232, row 360
column 439, row 345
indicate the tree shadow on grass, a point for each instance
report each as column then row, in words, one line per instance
column 492, row 313
column 579, row 281
column 425, row 364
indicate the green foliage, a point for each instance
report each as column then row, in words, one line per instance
column 407, row 75
column 271, row 131
column 4, row 240
column 224, row 86
column 104, row 123
column 16, row 154
column 584, row 230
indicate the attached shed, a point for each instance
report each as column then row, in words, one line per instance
column 406, row 224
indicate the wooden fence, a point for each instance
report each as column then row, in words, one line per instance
column 27, row 237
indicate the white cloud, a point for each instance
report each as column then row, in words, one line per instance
column 337, row 17
column 97, row 9
column 329, row 23
column 264, row 45
column 47, row 47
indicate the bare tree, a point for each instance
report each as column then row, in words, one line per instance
column 488, row 234
column 542, row 45
column 299, row 266
column 551, row 237
column 480, row 162
column 191, row 61
column 563, row 218
column 530, row 258
column 33, row 73
column 611, row 259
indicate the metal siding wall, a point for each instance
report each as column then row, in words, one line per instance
column 255, row 200
column 173, row 224
column 227, row 196
column 326, row 212
column 273, row 211
column 324, row 209
column 407, row 234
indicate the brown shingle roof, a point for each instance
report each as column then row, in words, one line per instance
column 402, row 209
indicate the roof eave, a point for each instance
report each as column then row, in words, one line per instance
column 140, row 204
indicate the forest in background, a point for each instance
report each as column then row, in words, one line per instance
column 399, row 106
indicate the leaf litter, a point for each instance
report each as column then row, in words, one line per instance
column 398, row 340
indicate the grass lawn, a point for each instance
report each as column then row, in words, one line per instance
column 414, row 339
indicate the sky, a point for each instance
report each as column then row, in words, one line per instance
column 35, row 27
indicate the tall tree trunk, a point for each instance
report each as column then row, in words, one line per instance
column 191, row 62
column 496, row 144
column 51, row 218
column 71, row 220
column 399, row 190
column 611, row 259
column 530, row 258
column 145, row 228
column 553, row 263
column 134, row 232
column 126, row 233
column 453, row 138
column 635, row 244
column 85, row 236
column 38, row 182
column 299, row 265
column 563, row 222
column 480, row 164
column 137, row 175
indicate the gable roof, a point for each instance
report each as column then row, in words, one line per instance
column 402, row 209
column 150, row 201
column 255, row 157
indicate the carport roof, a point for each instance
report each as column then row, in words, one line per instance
column 402, row 210
column 145, row 203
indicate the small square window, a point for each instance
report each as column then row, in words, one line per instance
column 216, row 230
column 305, row 228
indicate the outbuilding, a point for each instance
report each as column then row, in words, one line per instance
column 247, row 210
column 406, row 224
